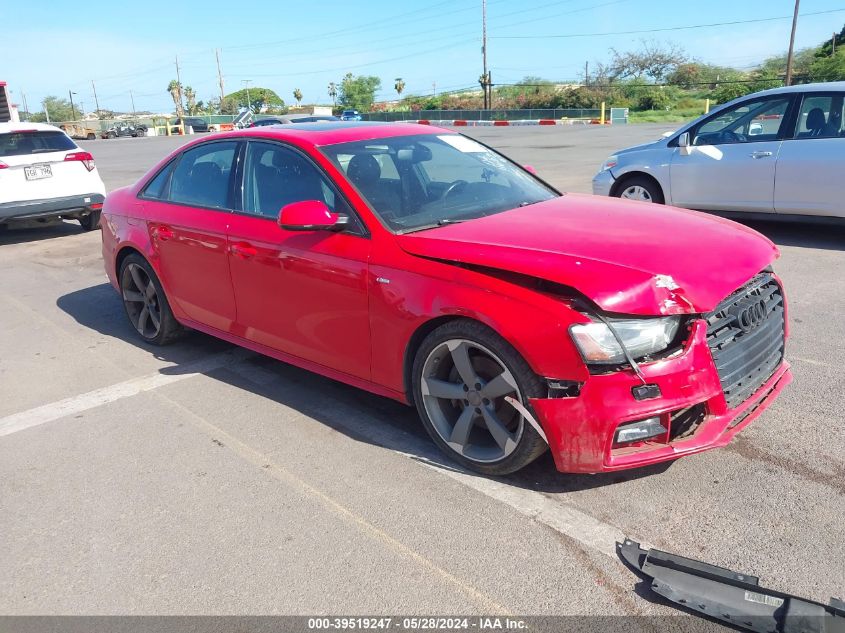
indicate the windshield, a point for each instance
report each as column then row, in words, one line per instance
column 25, row 143
column 417, row 182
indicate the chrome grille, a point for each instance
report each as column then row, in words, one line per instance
column 745, row 334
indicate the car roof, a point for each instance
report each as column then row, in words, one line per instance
column 831, row 86
column 8, row 128
column 332, row 132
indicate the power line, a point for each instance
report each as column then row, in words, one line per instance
column 660, row 30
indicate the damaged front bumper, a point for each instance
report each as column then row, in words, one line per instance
column 735, row 599
column 691, row 406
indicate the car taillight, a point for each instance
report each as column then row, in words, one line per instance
column 84, row 157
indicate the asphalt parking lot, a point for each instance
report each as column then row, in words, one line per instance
column 203, row 479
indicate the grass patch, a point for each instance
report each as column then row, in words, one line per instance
column 679, row 115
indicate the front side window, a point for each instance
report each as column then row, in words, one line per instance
column 275, row 176
column 820, row 116
column 747, row 122
column 421, row 181
column 203, row 174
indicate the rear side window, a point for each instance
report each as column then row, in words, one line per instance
column 820, row 116
column 26, row 143
column 202, row 176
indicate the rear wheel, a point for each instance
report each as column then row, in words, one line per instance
column 91, row 221
column 463, row 373
column 90, row 136
column 145, row 302
column 640, row 188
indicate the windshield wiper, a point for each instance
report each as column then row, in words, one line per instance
column 446, row 221
column 433, row 225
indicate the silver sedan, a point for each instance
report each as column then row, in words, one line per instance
column 779, row 152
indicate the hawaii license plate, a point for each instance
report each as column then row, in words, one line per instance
column 37, row 172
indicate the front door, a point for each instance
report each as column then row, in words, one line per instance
column 812, row 162
column 731, row 162
column 300, row 292
column 187, row 214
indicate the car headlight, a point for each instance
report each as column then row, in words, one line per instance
column 611, row 162
column 641, row 337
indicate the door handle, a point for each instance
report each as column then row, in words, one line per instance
column 243, row 249
column 760, row 154
column 163, row 233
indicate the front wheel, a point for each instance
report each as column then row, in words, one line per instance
column 145, row 302
column 463, row 374
column 641, row 189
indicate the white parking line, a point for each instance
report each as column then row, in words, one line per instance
column 98, row 397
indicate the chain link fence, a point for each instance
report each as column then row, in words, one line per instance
column 486, row 115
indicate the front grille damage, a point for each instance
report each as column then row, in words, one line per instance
column 746, row 335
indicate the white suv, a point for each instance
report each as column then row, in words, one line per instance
column 45, row 175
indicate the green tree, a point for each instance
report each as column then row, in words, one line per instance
column 359, row 92
column 191, row 99
column 297, row 94
column 399, row 86
column 830, row 68
column 825, row 49
column 333, row 92
column 58, row 108
column 175, row 90
column 652, row 60
column 255, row 98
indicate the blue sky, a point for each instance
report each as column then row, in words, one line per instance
column 287, row 45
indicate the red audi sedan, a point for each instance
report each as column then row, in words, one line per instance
column 423, row 266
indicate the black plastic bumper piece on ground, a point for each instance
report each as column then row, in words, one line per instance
column 48, row 207
column 735, row 599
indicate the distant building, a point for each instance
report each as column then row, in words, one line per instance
column 8, row 110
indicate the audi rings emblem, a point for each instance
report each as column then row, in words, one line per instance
column 751, row 315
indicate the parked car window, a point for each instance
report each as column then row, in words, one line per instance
column 26, row 143
column 202, row 176
column 820, row 116
column 155, row 189
column 747, row 122
column 275, row 176
column 441, row 179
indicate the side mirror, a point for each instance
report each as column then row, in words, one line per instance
column 311, row 215
column 530, row 169
column 684, row 144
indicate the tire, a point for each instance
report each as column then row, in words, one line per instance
column 639, row 188
column 136, row 275
column 111, row 135
column 456, row 413
column 91, row 221
column 91, row 136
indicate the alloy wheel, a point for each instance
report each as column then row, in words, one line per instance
column 636, row 192
column 464, row 386
column 142, row 301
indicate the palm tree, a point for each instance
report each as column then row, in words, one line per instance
column 175, row 90
column 399, row 86
column 333, row 92
column 297, row 94
column 191, row 99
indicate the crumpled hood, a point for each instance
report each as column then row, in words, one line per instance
column 628, row 257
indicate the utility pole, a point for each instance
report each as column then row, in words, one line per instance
column 219, row 75
column 25, row 107
column 833, row 45
column 132, row 99
column 46, row 111
column 587, row 73
column 246, row 83
column 485, row 76
column 72, row 110
column 179, row 86
column 96, row 102
column 789, row 58
column 434, row 87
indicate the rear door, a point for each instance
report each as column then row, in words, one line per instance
column 731, row 164
column 188, row 210
column 811, row 163
column 37, row 169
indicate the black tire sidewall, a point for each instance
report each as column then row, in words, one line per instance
column 90, row 221
column 530, row 445
column 170, row 328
